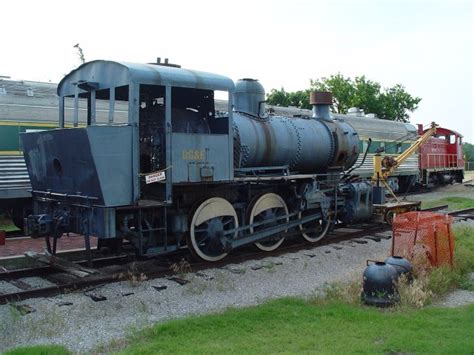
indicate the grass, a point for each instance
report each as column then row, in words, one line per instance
column 433, row 283
column 39, row 350
column 454, row 203
column 295, row 326
column 463, row 256
column 337, row 323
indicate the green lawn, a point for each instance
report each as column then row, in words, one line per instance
column 39, row 350
column 329, row 325
column 295, row 326
column 298, row 326
column 454, row 203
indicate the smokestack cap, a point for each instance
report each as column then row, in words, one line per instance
column 320, row 98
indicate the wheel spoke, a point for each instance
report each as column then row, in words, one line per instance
column 266, row 208
column 314, row 231
column 199, row 230
column 227, row 222
column 213, row 216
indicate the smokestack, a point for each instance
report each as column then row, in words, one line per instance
column 321, row 100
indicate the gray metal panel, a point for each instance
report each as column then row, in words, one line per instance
column 53, row 158
column 231, row 138
column 378, row 129
column 111, row 148
column 94, row 162
column 408, row 167
column 375, row 128
column 113, row 74
column 200, row 157
column 16, row 105
column 14, row 180
column 168, row 141
column 133, row 118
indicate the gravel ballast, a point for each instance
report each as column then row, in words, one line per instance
column 83, row 325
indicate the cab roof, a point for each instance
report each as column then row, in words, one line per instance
column 440, row 131
column 104, row 74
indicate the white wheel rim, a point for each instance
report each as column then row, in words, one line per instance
column 325, row 227
column 265, row 202
column 208, row 210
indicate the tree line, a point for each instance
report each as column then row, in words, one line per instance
column 393, row 103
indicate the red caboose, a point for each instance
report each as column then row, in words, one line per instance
column 440, row 158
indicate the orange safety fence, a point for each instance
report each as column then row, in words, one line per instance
column 424, row 235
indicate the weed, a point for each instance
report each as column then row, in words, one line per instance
column 414, row 293
column 269, row 265
column 348, row 292
column 196, row 286
column 112, row 346
column 133, row 276
column 181, row 267
column 142, row 307
column 466, row 283
column 222, row 282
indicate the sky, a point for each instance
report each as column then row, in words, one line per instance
column 425, row 45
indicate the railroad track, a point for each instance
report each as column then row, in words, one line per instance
column 121, row 265
column 104, row 275
column 464, row 214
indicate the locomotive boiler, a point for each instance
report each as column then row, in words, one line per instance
column 180, row 173
column 304, row 145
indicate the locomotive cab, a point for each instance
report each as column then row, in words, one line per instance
column 135, row 131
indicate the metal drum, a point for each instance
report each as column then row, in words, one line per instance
column 379, row 284
column 402, row 265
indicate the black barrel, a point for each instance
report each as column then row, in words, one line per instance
column 379, row 284
column 402, row 265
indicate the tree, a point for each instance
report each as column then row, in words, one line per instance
column 468, row 151
column 283, row 98
column 342, row 90
column 396, row 103
column 390, row 103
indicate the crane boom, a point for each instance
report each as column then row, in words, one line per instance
column 384, row 167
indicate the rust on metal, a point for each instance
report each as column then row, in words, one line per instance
column 320, row 98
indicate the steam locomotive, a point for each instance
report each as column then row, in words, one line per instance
column 180, row 173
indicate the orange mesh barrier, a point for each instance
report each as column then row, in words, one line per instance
column 424, row 236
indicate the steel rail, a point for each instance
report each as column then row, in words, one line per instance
column 333, row 237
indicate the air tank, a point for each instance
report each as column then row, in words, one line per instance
column 306, row 145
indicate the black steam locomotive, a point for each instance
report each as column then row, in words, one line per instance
column 180, row 172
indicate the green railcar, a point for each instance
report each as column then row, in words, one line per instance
column 25, row 106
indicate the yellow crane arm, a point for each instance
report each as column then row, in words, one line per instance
column 384, row 167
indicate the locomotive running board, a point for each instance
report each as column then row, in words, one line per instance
column 229, row 244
